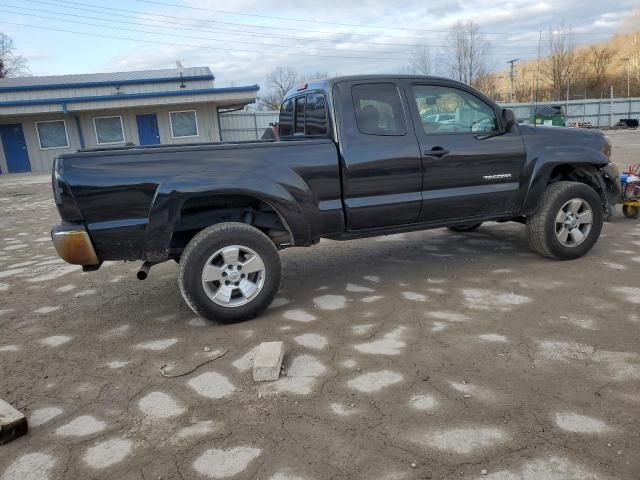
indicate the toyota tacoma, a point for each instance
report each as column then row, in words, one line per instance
column 355, row 157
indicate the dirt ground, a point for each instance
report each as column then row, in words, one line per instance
column 430, row 355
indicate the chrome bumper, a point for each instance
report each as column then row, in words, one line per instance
column 73, row 245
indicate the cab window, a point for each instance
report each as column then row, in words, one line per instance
column 301, row 103
column 286, row 118
column 316, row 117
column 304, row 115
column 451, row 110
column 378, row 109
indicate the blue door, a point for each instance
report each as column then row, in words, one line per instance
column 15, row 148
column 148, row 132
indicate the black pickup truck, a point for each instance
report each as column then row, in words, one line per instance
column 357, row 157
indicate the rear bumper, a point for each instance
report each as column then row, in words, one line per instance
column 73, row 244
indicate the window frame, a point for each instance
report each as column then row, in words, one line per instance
column 195, row 117
column 66, row 134
column 415, row 113
column 95, row 129
column 401, row 133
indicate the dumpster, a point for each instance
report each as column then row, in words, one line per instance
column 549, row 115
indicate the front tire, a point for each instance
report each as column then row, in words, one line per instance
column 229, row 272
column 568, row 223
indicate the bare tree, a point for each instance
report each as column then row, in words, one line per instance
column 280, row 81
column 487, row 83
column 524, row 84
column 600, row 60
column 11, row 64
column 467, row 49
column 559, row 65
column 420, row 63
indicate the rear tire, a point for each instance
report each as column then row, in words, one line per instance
column 469, row 227
column 568, row 223
column 229, row 272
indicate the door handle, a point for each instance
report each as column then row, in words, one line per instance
column 437, row 152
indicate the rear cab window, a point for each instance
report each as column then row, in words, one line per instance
column 304, row 115
column 378, row 109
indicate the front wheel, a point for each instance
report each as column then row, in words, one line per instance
column 229, row 272
column 568, row 223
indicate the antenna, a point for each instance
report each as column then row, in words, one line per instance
column 535, row 104
column 180, row 69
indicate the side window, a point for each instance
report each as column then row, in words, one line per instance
column 378, row 109
column 300, row 107
column 450, row 110
column 285, row 123
column 316, row 118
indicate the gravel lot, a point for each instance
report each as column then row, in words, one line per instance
column 430, row 355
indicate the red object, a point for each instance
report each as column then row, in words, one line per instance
column 302, row 86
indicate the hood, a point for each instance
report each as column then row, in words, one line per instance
column 562, row 136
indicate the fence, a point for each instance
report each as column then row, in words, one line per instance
column 238, row 126
column 606, row 112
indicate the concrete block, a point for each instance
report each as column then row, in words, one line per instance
column 13, row 424
column 268, row 361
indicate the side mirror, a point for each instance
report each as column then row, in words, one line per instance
column 508, row 118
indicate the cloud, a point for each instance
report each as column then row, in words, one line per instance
column 243, row 49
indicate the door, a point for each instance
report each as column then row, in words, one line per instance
column 15, row 148
column 472, row 167
column 148, row 132
column 381, row 165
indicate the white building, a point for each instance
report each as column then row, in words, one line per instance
column 41, row 117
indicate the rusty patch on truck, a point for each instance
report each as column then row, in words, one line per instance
column 75, row 248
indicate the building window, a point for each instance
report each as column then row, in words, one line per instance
column 184, row 124
column 52, row 134
column 109, row 130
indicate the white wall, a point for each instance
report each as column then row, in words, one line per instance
column 42, row 160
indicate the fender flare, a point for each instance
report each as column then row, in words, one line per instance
column 170, row 197
column 580, row 158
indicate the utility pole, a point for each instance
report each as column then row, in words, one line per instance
column 512, row 74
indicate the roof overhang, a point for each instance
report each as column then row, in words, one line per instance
column 222, row 96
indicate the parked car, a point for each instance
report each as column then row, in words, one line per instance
column 443, row 118
column 355, row 160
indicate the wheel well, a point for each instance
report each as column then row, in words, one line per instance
column 580, row 173
column 199, row 213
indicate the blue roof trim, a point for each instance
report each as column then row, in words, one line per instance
column 127, row 96
column 114, row 83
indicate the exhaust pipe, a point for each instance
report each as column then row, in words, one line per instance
column 143, row 273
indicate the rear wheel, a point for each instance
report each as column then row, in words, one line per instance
column 568, row 223
column 631, row 211
column 468, row 227
column 229, row 272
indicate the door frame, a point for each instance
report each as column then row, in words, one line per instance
column 511, row 189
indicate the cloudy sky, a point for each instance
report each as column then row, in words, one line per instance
column 242, row 40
